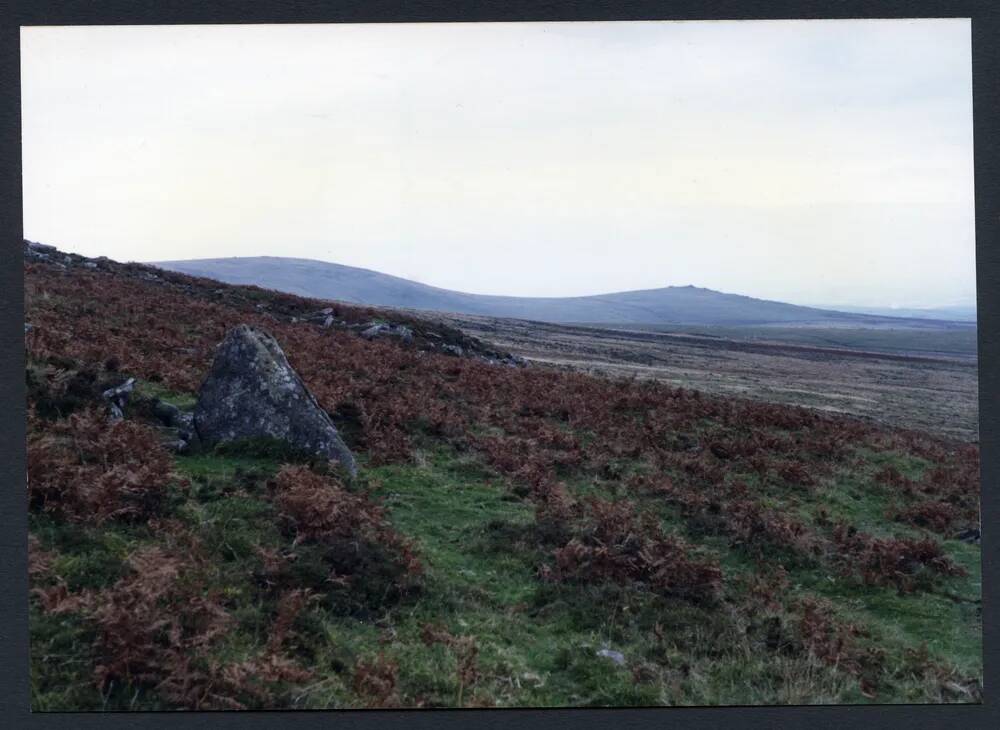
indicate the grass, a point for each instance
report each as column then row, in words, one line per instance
column 537, row 642
column 263, row 570
column 184, row 401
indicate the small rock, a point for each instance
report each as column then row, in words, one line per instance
column 399, row 331
column 39, row 251
column 452, row 350
column 90, row 264
column 172, row 416
column 616, row 656
column 328, row 321
column 180, row 446
column 373, row 331
column 957, row 689
column 117, row 398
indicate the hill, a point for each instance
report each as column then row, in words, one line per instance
column 516, row 536
column 957, row 313
column 688, row 305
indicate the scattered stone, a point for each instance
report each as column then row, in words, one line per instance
column 373, row 330
column 117, row 398
column 38, row 251
column 180, row 446
column 328, row 321
column 616, row 656
column 452, row 350
column 317, row 315
column 532, row 679
column 171, row 415
column 28, row 327
column 252, row 392
column 41, row 247
column 180, row 425
column 89, row 264
column 514, row 361
column 957, row 689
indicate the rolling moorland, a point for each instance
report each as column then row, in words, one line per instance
column 922, row 379
column 683, row 305
column 516, row 536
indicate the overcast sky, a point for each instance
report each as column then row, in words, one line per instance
column 805, row 161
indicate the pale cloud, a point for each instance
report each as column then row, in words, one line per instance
column 825, row 161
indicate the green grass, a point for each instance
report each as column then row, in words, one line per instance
column 537, row 641
column 184, row 401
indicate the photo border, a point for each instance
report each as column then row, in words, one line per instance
column 14, row 673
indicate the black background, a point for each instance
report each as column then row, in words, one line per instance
column 14, row 690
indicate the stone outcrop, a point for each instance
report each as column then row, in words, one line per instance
column 381, row 329
column 252, row 392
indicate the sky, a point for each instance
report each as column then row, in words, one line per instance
column 804, row 161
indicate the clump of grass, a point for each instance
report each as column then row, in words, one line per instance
column 344, row 535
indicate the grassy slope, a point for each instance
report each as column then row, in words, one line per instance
column 536, row 641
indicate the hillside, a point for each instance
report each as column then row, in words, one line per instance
column 516, row 537
column 675, row 305
column 956, row 313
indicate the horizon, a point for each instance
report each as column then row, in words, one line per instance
column 957, row 305
column 794, row 161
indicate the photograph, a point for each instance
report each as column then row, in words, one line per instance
column 496, row 365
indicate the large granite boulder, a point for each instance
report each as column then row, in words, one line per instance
column 252, row 392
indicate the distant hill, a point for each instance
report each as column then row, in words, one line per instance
column 952, row 314
column 670, row 305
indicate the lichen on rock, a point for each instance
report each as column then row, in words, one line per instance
column 252, row 392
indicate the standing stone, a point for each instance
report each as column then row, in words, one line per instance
column 252, row 392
